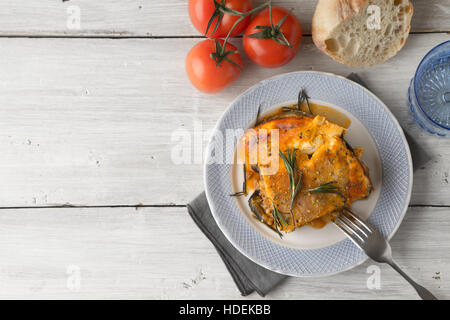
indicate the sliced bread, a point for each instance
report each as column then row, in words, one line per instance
column 361, row 32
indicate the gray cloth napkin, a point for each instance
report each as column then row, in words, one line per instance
column 248, row 275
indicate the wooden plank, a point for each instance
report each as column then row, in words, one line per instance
column 110, row 18
column 158, row 253
column 91, row 121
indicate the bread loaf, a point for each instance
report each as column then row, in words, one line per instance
column 361, row 32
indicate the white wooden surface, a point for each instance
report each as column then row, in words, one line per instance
column 86, row 122
column 156, row 18
column 129, row 253
column 90, row 122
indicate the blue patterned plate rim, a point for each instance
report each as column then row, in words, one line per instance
column 336, row 258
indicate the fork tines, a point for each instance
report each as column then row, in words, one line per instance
column 355, row 228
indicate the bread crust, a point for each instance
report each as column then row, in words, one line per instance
column 330, row 14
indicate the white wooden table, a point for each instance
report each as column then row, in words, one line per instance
column 92, row 205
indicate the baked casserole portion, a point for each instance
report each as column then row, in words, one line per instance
column 302, row 170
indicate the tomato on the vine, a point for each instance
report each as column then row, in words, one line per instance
column 211, row 67
column 273, row 43
column 219, row 15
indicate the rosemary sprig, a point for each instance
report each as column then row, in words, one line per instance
column 257, row 115
column 295, row 111
column 278, row 218
column 295, row 175
column 329, row 187
column 303, row 97
column 244, row 185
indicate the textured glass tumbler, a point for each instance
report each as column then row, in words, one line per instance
column 429, row 91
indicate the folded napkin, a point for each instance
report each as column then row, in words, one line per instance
column 247, row 275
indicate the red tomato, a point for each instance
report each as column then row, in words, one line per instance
column 203, row 71
column 267, row 52
column 201, row 11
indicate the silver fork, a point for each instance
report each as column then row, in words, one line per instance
column 374, row 245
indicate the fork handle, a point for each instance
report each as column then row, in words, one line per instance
column 421, row 291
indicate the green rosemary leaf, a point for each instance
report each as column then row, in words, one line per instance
column 276, row 221
column 244, row 185
column 286, row 161
column 238, row 194
column 307, row 102
column 294, row 109
column 329, row 187
column 294, row 175
column 297, row 187
column 257, row 114
column 303, row 97
column 279, row 216
column 325, row 187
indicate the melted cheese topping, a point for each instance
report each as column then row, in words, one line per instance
column 322, row 156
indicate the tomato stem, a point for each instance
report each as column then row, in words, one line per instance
column 272, row 32
column 244, row 15
column 221, row 53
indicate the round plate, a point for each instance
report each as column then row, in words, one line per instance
column 311, row 252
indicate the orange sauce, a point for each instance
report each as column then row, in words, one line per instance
column 331, row 115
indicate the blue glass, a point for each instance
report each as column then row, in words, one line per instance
column 429, row 91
